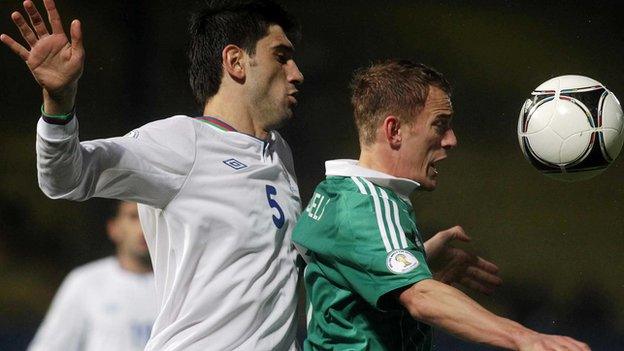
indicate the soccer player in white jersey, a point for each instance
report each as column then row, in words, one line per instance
column 217, row 195
column 109, row 304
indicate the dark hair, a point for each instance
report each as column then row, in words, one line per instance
column 397, row 87
column 224, row 22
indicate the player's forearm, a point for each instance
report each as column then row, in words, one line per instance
column 59, row 159
column 445, row 307
column 145, row 167
column 71, row 170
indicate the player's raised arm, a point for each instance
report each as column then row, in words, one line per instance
column 148, row 166
column 143, row 167
column 54, row 61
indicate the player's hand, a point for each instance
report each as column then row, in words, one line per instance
column 453, row 265
column 543, row 342
column 55, row 62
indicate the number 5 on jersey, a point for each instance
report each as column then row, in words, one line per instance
column 279, row 221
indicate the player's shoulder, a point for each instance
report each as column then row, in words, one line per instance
column 92, row 272
column 175, row 127
column 349, row 189
column 176, row 132
column 169, row 122
column 337, row 212
column 361, row 189
column 172, row 120
column 333, row 200
column 358, row 201
column 95, row 268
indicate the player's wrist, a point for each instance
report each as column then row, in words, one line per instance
column 61, row 119
column 60, row 102
column 59, row 107
column 521, row 337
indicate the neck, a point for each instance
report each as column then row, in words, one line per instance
column 133, row 264
column 377, row 158
column 238, row 115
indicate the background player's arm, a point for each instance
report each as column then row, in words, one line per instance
column 443, row 306
column 55, row 63
column 64, row 325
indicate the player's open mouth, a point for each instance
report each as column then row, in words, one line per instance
column 433, row 165
column 433, row 168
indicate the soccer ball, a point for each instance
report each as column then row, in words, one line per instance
column 571, row 128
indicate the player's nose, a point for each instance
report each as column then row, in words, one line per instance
column 450, row 139
column 294, row 74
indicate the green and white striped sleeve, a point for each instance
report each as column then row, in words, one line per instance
column 382, row 252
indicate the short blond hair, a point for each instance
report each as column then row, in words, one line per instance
column 397, row 87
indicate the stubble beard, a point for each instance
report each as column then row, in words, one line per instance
column 272, row 115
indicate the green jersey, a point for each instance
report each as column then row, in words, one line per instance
column 360, row 240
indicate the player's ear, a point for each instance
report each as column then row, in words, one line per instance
column 392, row 131
column 233, row 58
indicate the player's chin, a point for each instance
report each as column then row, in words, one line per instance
column 279, row 119
column 429, row 185
column 281, row 122
column 286, row 115
column 426, row 183
column 430, row 182
column 289, row 114
column 289, row 110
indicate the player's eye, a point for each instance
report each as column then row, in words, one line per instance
column 282, row 58
column 442, row 125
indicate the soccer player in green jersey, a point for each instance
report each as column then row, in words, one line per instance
column 372, row 283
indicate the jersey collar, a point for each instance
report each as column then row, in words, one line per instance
column 216, row 123
column 224, row 127
column 350, row 168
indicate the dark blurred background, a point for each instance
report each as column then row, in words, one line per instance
column 559, row 245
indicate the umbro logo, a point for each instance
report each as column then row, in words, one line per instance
column 234, row 163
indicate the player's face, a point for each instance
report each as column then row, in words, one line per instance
column 125, row 230
column 426, row 140
column 273, row 76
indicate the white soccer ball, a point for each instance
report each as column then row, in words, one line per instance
column 571, row 128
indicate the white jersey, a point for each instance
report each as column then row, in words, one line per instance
column 218, row 208
column 99, row 307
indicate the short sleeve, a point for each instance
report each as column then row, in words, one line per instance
column 375, row 250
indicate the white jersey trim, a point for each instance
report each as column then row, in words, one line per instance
column 403, row 187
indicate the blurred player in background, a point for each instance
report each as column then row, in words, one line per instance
column 109, row 304
column 217, row 194
column 368, row 276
